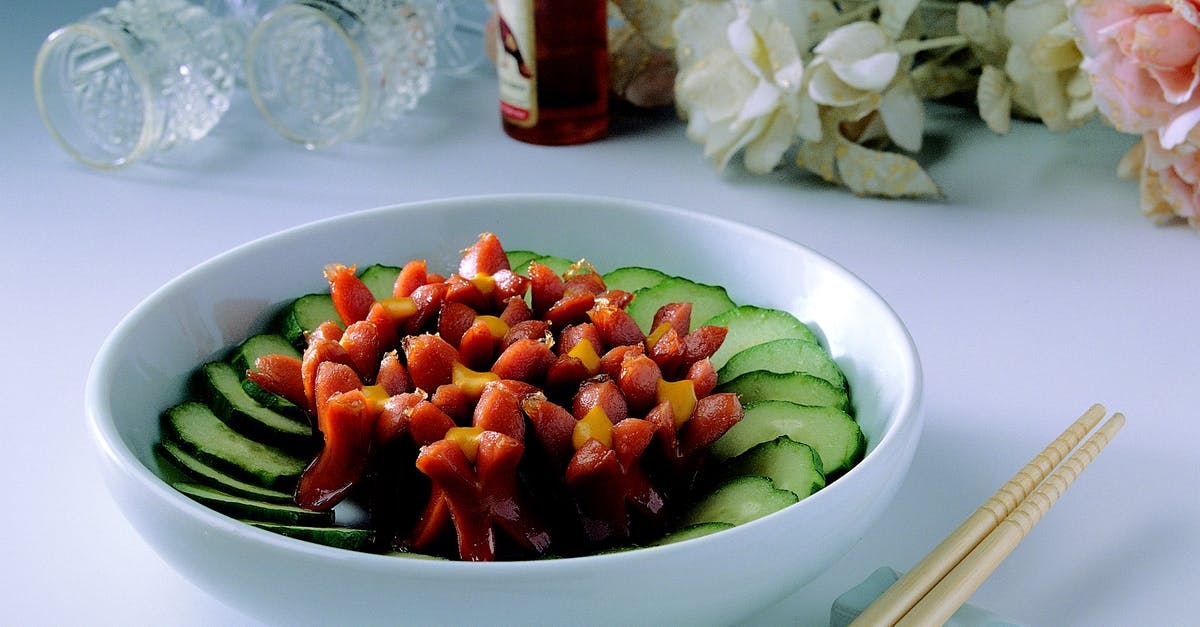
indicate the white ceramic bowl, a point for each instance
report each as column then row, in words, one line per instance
column 718, row 579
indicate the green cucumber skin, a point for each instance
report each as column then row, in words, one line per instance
column 351, row 539
column 790, row 465
column 243, row 359
column 633, row 278
column 228, row 399
column 197, row 470
column 200, row 433
column 707, row 300
column 304, row 315
column 783, row 356
column 259, row 345
column 739, row 501
column 689, row 532
column 796, row 387
column 518, row 260
column 833, row 434
column 560, row 265
column 249, row 509
column 749, row 325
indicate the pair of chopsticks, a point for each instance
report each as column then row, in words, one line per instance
column 943, row 580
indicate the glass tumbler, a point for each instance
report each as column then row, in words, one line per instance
column 136, row 79
column 323, row 71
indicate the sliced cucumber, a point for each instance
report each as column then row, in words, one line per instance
column 243, row 358
column 797, row 387
column 249, row 509
column 790, row 465
column 561, row 265
column 691, row 531
column 256, row 346
column 783, row 356
column 519, row 260
column 200, row 471
column 633, row 278
column 707, row 300
column 304, row 315
column 739, row 501
column 749, row 325
column 832, row 433
column 350, row 538
column 380, row 279
column 198, row 431
column 223, row 388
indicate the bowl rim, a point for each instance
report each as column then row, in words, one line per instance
column 112, row 448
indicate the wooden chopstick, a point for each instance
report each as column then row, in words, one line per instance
column 953, row 590
column 910, row 589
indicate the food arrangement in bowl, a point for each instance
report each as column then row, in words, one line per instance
column 520, row 406
column 618, row 408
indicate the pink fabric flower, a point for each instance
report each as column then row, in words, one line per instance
column 1144, row 60
column 1169, row 180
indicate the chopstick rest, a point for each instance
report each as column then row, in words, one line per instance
column 976, row 547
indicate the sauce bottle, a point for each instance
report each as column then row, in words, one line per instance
column 552, row 64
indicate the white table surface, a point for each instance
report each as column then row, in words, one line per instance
column 1033, row 290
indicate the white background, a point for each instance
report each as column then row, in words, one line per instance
column 1034, row 289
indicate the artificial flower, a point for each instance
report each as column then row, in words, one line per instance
column 640, row 72
column 1144, row 61
column 1043, row 63
column 1168, row 179
column 740, row 83
column 853, row 65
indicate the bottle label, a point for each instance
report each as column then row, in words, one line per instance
column 515, row 62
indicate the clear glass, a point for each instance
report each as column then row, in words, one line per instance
column 459, row 26
column 136, row 79
column 322, row 71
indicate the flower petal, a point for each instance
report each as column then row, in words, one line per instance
column 894, row 14
column 994, row 95
column 700, row 29
column 766, row 151
column 1178, row 128
column 762, row 101
column 903, row 116
column 870, row 74
column 877, row 173
column 853, row 41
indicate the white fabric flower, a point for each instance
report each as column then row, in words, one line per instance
column 740, row 83
column 1043, row 64
column 853, row 65
column 857, row 68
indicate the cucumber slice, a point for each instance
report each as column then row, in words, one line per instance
column 691, row 531
column 561, row 265
column 797, row 387
column 783, row 356
column 633, row 278
column 198, row 431
column 200, row 471
column 739, row 501
column 223, row 388
column 380, row 279
column 790, row 465
column 350, row 538
column 519, row 260
column 833, row 434
column 243, row 360
column 707, row 301
column 249, row 509
column 304, row 315
column 256, row 346
column 749, row 325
